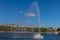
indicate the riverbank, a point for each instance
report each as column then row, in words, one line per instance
column 29, row 32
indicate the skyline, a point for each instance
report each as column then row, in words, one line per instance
column 13, row 11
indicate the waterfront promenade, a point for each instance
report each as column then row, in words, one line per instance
column 30, row 32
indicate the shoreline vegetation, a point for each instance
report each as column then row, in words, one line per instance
column 10, row 28
column 28, row 32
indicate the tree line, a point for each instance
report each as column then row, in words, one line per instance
column 11, row 28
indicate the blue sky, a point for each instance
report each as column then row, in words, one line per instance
column 14, row 11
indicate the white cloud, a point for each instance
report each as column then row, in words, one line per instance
column 30, row 14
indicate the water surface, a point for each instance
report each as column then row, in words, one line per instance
column 20, row 36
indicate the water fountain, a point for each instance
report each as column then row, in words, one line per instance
column 36, row 36
column 34, row 11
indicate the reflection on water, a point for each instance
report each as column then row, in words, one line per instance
column 38, row 39
column 18, row 39
column 17, row 36
column 12, row 36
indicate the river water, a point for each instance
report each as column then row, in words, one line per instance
column 20, row 36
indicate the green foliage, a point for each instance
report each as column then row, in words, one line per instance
column 58, row 29
column 9, row 28
column 36, row 29
column 43, row 29
column 6, row 28
column 29, row 29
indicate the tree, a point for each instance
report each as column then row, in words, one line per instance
column 58, row 29
column 43, row 29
